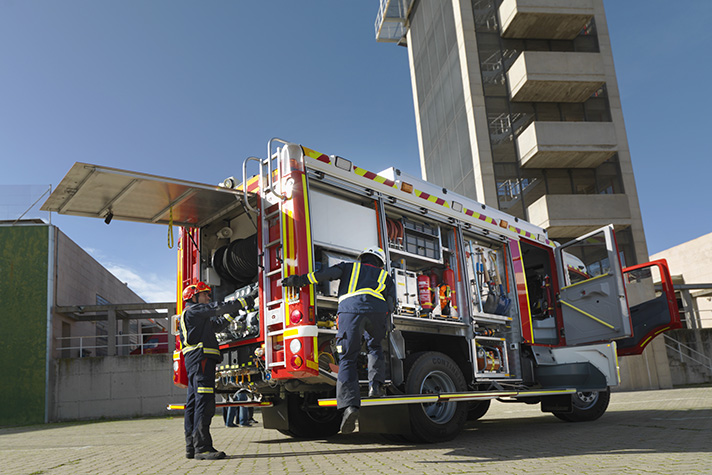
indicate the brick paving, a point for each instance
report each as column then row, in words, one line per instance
column 642, row 432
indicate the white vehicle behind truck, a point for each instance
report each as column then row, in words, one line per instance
column 488, row 306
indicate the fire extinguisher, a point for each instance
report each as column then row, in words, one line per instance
column 424, row 295
column 180, row 374
column 434, row 286
column 449, row 281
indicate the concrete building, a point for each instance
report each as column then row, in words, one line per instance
column 517, row 106
column 41, row 270
column 691, row 269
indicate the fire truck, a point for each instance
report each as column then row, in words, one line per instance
column 488, row 306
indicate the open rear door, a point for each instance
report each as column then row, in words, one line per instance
column 592, row 295
column 653, row 305
column 110, row 193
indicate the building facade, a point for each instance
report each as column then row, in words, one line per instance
column 691, row 268
column 517, row 106
column 42, row 269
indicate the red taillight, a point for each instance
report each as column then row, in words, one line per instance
column 295, row 317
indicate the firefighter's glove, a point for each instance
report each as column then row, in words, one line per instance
column 294, row 281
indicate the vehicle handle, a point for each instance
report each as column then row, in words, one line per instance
column 244, row 182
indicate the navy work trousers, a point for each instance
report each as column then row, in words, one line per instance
column 200, row 405
column 348, row 345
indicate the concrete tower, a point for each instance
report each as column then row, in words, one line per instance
column 517, row 105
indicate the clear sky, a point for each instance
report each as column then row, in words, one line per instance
column 188, row 89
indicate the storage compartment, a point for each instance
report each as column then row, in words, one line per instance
column 491, row 357
column 406, row 290
column 410, row 237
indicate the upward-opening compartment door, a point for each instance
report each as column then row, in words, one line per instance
column 109, row 193
column 592, row 295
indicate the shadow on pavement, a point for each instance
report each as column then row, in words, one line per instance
column 522, row 438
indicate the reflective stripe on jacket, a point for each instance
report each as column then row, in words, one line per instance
column 362, row 287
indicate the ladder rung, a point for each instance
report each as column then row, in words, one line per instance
column 275, row 302
column 276, row 241
column 276, row 332
column 274, row 272
column 273, row 214
column 278, row 363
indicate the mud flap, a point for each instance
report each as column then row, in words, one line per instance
column 562, row 403
column 276, row 417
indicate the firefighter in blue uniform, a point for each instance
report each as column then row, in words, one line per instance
column 199, row 322
column 367, row 295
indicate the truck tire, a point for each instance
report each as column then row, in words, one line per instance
column 587, row 406
column 477, row 409
column 432, row 373
column 310, row 424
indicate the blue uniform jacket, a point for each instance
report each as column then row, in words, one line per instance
column 198, row 325
column 363, row 288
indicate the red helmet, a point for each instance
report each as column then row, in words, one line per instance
column 192, row 290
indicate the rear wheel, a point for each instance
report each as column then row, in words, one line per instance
column 587, row 406
column 434, row 373
column 478, row 409
column 310, row 423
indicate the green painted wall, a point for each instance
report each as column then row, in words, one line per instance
column 23, row 323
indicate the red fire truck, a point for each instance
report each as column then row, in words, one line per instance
column 488, row 306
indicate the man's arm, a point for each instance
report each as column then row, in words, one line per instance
column 332, row 273
column 391, row 296
column 224, row 311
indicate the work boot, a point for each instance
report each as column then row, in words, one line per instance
column 210, row 455
column 189, row 454
column 348, row 422
column 376, row 390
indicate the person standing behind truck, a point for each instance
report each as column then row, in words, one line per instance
column 199, row 322
column 367, row 294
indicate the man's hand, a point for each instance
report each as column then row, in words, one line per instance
column 293, row 281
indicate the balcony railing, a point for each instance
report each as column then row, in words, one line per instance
column 143, row 343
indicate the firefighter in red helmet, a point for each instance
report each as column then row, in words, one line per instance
column 199, row 322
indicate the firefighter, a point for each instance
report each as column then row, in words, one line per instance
column 199, row 322
column 367, row 295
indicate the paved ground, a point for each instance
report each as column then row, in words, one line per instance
column 642, row 432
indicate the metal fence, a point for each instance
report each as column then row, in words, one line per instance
column 145, row 343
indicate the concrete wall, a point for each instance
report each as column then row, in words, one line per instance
column 684, row 370
column 693, row 260
column 114, row 387
column 650, row 370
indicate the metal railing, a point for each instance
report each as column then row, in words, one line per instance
column 88, row 343
column 689, row 353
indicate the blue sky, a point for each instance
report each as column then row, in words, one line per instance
column 189, row 89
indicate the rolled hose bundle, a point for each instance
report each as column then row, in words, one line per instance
column 236, row 262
